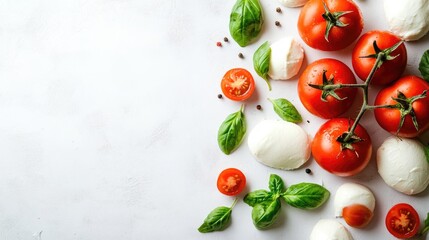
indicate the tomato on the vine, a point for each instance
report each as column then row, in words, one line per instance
column 402, row 221
column 409, row 102
column 357, row 215
column 326, row 103
column 237, row 84
column 231, row 182
column 363, row 57
column 330, row 25
column 336, row 156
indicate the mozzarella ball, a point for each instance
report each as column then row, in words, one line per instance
column 408, row 19
column 293, row 3
column 286, row 59
column 403, row 166
column 327, row 229
column 352, row 193
column 279, row 144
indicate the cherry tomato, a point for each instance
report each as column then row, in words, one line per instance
column 335, row 157
column 335, row 72
column 238, row 84
column 231, row 182
column 390, row 70
column 390, row 118
column 314, row 20
column 357, row 215
column 402, row 221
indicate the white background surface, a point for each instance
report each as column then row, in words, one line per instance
column 109, row 116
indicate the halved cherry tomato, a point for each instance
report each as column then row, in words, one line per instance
column 238, row 84
column 231, row 181
column 403, row 93
column 402, row 221
column 363, row 58
column 342, row 17
column 335, row 157
column 337, row 101
column 357, row 215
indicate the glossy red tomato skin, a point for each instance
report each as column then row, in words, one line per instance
column 327, row 150
column 311, row 97
column 390, row 70
column 231, row 182
column 389, row 119
column 238, row 84
column 312, row 25
column 357, row 215
column 393, row 216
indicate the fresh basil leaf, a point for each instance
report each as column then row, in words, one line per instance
column 245, row 22
column 424, row 65
column 258, row 196
column 306, row 195
column 266, row 213
column 426, row 226
column 286, row 110
column 261, row 62
column 231, row 132
column 276, row 184
column 217, row 220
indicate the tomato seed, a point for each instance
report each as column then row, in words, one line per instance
column 278, row 9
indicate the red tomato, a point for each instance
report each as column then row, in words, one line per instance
column 357, row 215
column 330, row 153
column 238, row 84
column 314, row 19
column 390, row 118
column 402, row 221
column 390, row 70
column 336, row 72
column 231, row 182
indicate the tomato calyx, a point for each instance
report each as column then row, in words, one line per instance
column 333, row 20
column 347, row 139
column 385, row 53
column 328, row 88
column 405, row 106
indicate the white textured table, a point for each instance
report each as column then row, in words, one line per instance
column 109, row 115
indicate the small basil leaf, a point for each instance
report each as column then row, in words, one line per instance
column 217, row 220
column 266, row 213
column 286, row 110
column 424, row 65
column 306, row 195
column 261, row 62
column 258, row 196
column 426, row 226
column 231, row 132
column 245, row 22
column 276, row 184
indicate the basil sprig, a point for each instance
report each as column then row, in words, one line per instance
column 231, row 131
column 286, row 110
column 218, row 219
column 261, row 62
column 267, row 204
column 245, row 22
column 424, row 65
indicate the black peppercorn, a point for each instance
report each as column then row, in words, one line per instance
column 277, row 23
column 219, row 96
column 225, row 39
column 240, row 55
column 259, row 107
column 308, row 170
column 278, row 9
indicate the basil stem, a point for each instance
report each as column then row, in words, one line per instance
column 266, row 213
column 218, row 219
column 245, row 21
column 261, row 62
column 231, row 131
column 306, row 195
column 286, row 110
